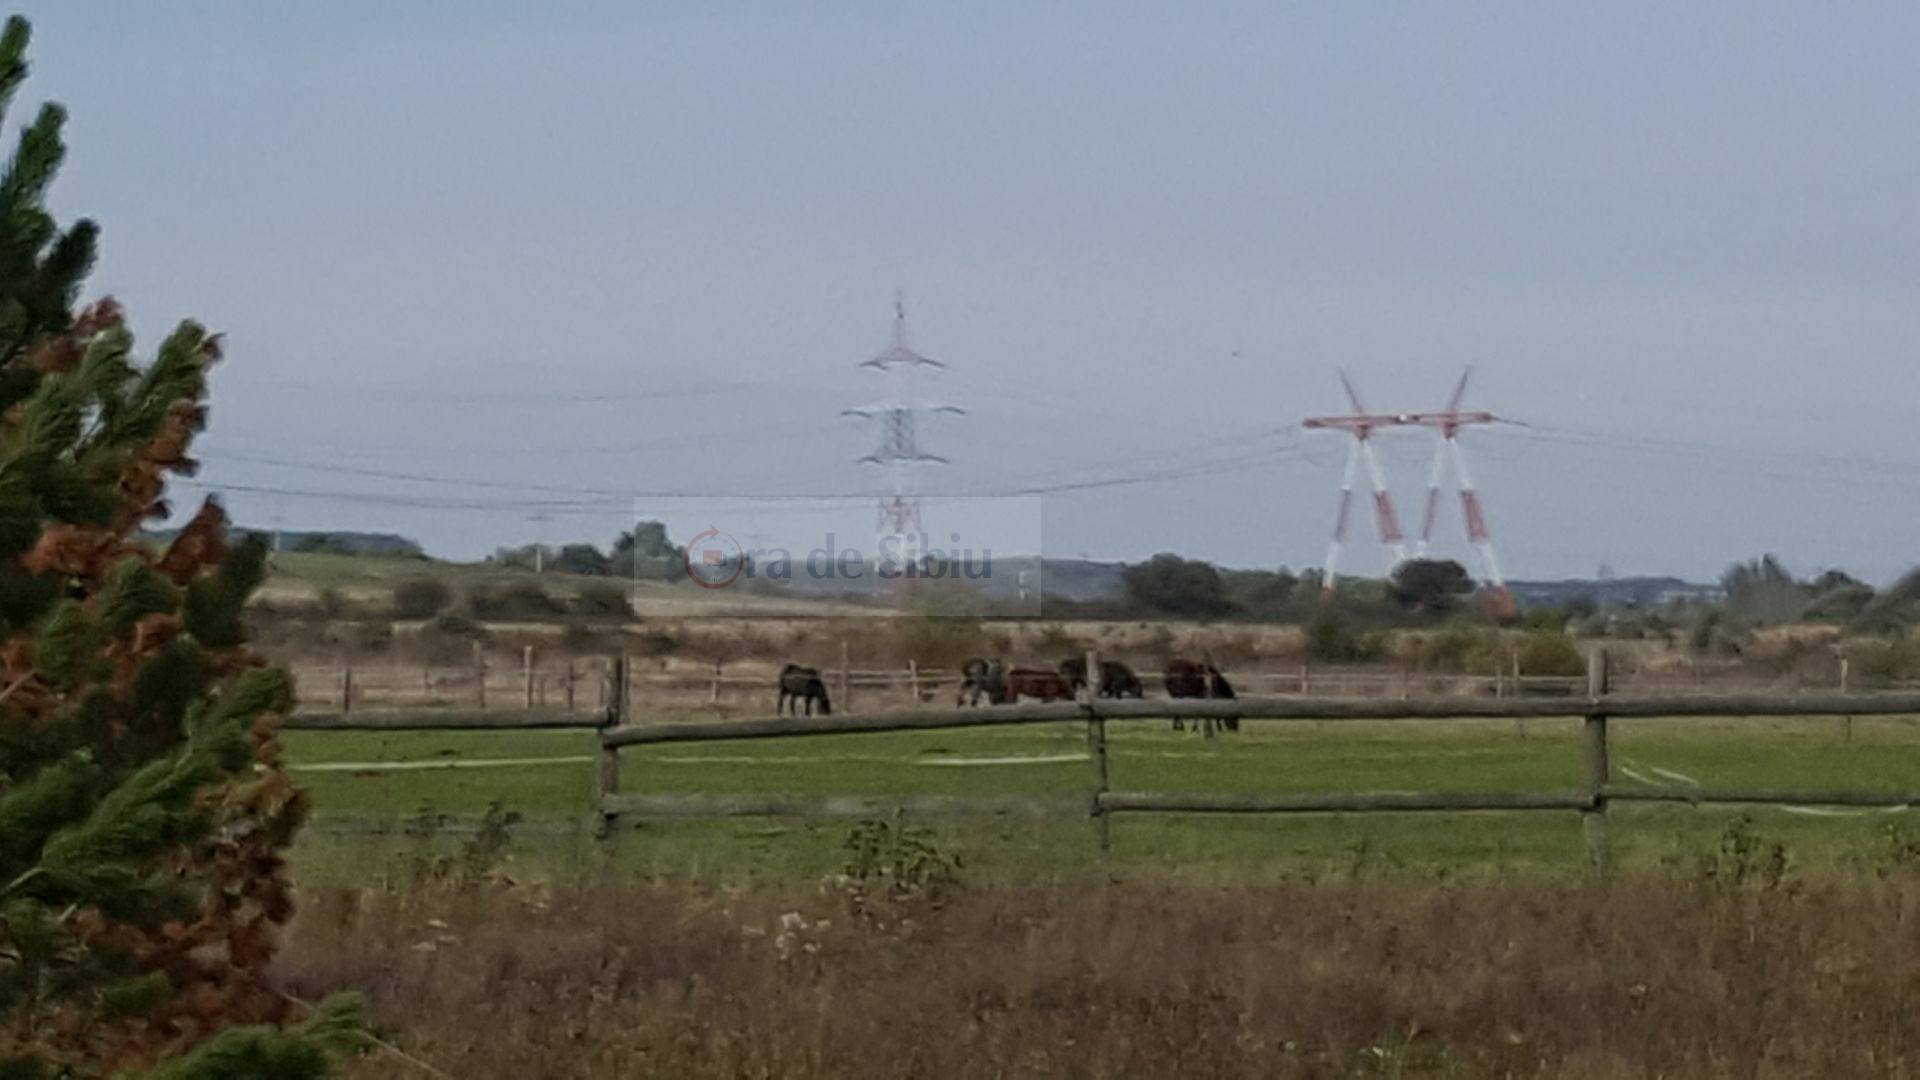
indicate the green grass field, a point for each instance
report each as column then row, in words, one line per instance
column 545, row 776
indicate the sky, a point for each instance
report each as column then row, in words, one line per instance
column 495, row 273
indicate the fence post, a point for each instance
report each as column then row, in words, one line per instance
column 1515, row 690
column 846, row 678
column 346, row 688
column 606, row 770
column 713, row 692
column 480, row 673
column 526, row 674
column 572, row 676
column 1593, row 820
column 1846, row 722
column 1097, row 753
column 426, row 682
column 913, row 680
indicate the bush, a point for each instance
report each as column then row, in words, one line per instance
column 1330, row 638
column 447, row 640
column 603, row 600
column 933, row 641
column 1187, row 587
column 370, row 635
column 654, row 641
column 421, row 598
column 1053, row 640
column 1880, row 662
column 1464, row 649
column 586, row 641
column 520, row 600
column 1548, row 652
column 331, row 603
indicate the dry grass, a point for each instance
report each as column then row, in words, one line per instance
column 1703, row 977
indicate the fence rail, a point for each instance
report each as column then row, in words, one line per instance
column 618, row 730
column 1591, row 801
column 582, row 684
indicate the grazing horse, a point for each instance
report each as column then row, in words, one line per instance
column 1037, row 683
column 802, row 683
column 982, row 678
column 1186, row 679
column 1117, row 680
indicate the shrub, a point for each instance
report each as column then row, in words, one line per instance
column 1330, row 639
column 1883, row 661
column 933, row 641
column 421, row 598
column 370, row 635
column 587, row 641
column 520, row 600
column 1054, row 640
column 330, row 603
column 653, row 641
column 891, row 863
column 1466, row 649
column 603, row 600
column 1549, row 652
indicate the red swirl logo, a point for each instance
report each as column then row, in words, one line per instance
column 714, row 560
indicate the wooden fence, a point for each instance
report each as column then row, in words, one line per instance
column 1591, row 799
column 619, row 728
column 582, row 684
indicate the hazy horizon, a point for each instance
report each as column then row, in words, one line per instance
column 491, row 276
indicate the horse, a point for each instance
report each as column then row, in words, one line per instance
column 980, row 678
column 1117, row 680
column 799, row 683
column 1037, row 683
column 1187, row 679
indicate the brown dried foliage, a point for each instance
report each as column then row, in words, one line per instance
column 1512, row 978
column 216, row 963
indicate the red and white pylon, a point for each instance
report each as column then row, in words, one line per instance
column 1361, row 424
column 1448, row 423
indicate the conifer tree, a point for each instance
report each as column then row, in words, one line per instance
column 143, row 811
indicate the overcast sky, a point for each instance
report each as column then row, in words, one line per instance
column 601, row 249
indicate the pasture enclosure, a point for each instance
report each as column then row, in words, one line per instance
column 529, row 677
column 1591, row 800
column 621, row 794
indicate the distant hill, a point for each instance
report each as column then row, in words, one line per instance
column 331, row 541
column 1614, row 592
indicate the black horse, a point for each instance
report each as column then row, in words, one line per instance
column 1117, row 680
column 982, row 678
column 802, row 683
column 1186, row 679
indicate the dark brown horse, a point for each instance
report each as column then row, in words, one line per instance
column 1187, row 679
column 1037, row 683
column 802, row 683
column 982, row 678
column 1117, row 680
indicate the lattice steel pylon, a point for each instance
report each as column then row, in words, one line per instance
column 1361, row 424
column 1447, row 423
column 899, row 451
